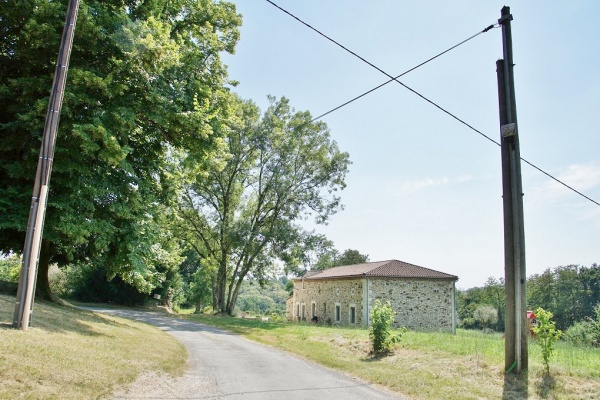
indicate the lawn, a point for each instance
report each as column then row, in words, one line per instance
column 74, row 354
column 468, row 365
column 69, row 353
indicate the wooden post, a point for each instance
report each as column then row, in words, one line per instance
column 37, row 212
column 516, row 333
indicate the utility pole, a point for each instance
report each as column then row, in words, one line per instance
column 516, row 329
column 37, row 212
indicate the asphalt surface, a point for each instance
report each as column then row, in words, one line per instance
column 222, row 365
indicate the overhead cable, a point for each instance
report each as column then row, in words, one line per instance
column 392, row 78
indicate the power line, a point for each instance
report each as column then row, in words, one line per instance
column 392, row 78
column 405, row 72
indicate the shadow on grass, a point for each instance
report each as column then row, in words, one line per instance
column 515, row 386
column 234, row 325
column 546, row 386
column 56, row 318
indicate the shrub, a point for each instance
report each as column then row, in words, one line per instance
column 89, row 284
column 10, row 268
column 546, row 334
column 380, row 332
column 586, row 332
column 486, row 315
column 57, row 278
column 579, row 334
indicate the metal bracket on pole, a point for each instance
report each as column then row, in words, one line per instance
column 508, row 130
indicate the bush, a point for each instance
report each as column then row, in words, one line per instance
column 380, row 332
column 57, row 278
column 89, row 284
column 486, row 315
column 585, row 332
column 10, row 268
column 546, row 334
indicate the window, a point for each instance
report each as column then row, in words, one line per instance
column 298, row 311
column 324, row 308
column 352, row 314
column 338, row 313
column 303, row 314
column 313, row 311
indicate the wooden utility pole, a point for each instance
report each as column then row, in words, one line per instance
column 516, row 330
column 37, row 212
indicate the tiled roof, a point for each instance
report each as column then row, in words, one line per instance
column 386, row 269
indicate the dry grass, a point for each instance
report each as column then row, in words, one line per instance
column 468, row 365
column 73, row 354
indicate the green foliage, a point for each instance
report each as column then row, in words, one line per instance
column 145, row 83
column 469, row 301
column 547, row 335
column 289, row 287
column 595, row 327
column 10, row 268
column 333, row 258
column 200, row 288
column 350, row 257
column 380, row 332
column 579, row 334
column 266, row 299
column 241, row 217
column 571, row 292
column 58, row 281
column 89, row 284
column 585, row 332
column 486, row 315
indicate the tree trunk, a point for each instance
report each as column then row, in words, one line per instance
column 198, row 309
column 169, row 299
column 42, row 288
column 221, row 303
column 234, row 295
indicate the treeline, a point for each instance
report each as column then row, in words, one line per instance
column 570, row 292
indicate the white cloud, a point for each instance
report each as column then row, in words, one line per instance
column 427, row 183
column 581, row 177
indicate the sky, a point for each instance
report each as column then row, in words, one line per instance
column 422, row 187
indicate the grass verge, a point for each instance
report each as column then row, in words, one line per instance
column 69, row 353
column 468, row 365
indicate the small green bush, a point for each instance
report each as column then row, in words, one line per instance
column 380, row 332
column 10, row 268
column 586, row 333
column 546, row 334
column 579, row 334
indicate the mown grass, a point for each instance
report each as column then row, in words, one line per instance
column 69, row 353
column 468, row 365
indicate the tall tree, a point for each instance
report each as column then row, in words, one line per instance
column 282, row 168
column 351, row 257
column 145, row 78
column 568, row 291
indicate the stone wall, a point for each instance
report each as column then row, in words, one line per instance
column 326, row 295
column 419, row 304
column 425, row 304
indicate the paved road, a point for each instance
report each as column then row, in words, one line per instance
column 227, row 366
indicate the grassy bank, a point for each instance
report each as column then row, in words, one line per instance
column 468, row 365
column 73, row 354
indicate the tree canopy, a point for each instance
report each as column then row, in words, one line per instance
column 281, row 169
column 145, row 80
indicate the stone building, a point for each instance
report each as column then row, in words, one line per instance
column 422, row 298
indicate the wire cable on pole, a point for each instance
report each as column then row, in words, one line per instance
column 392, row 78
column 406, row 72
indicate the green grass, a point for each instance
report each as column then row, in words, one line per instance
column 74, row 354
column 468, row 365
